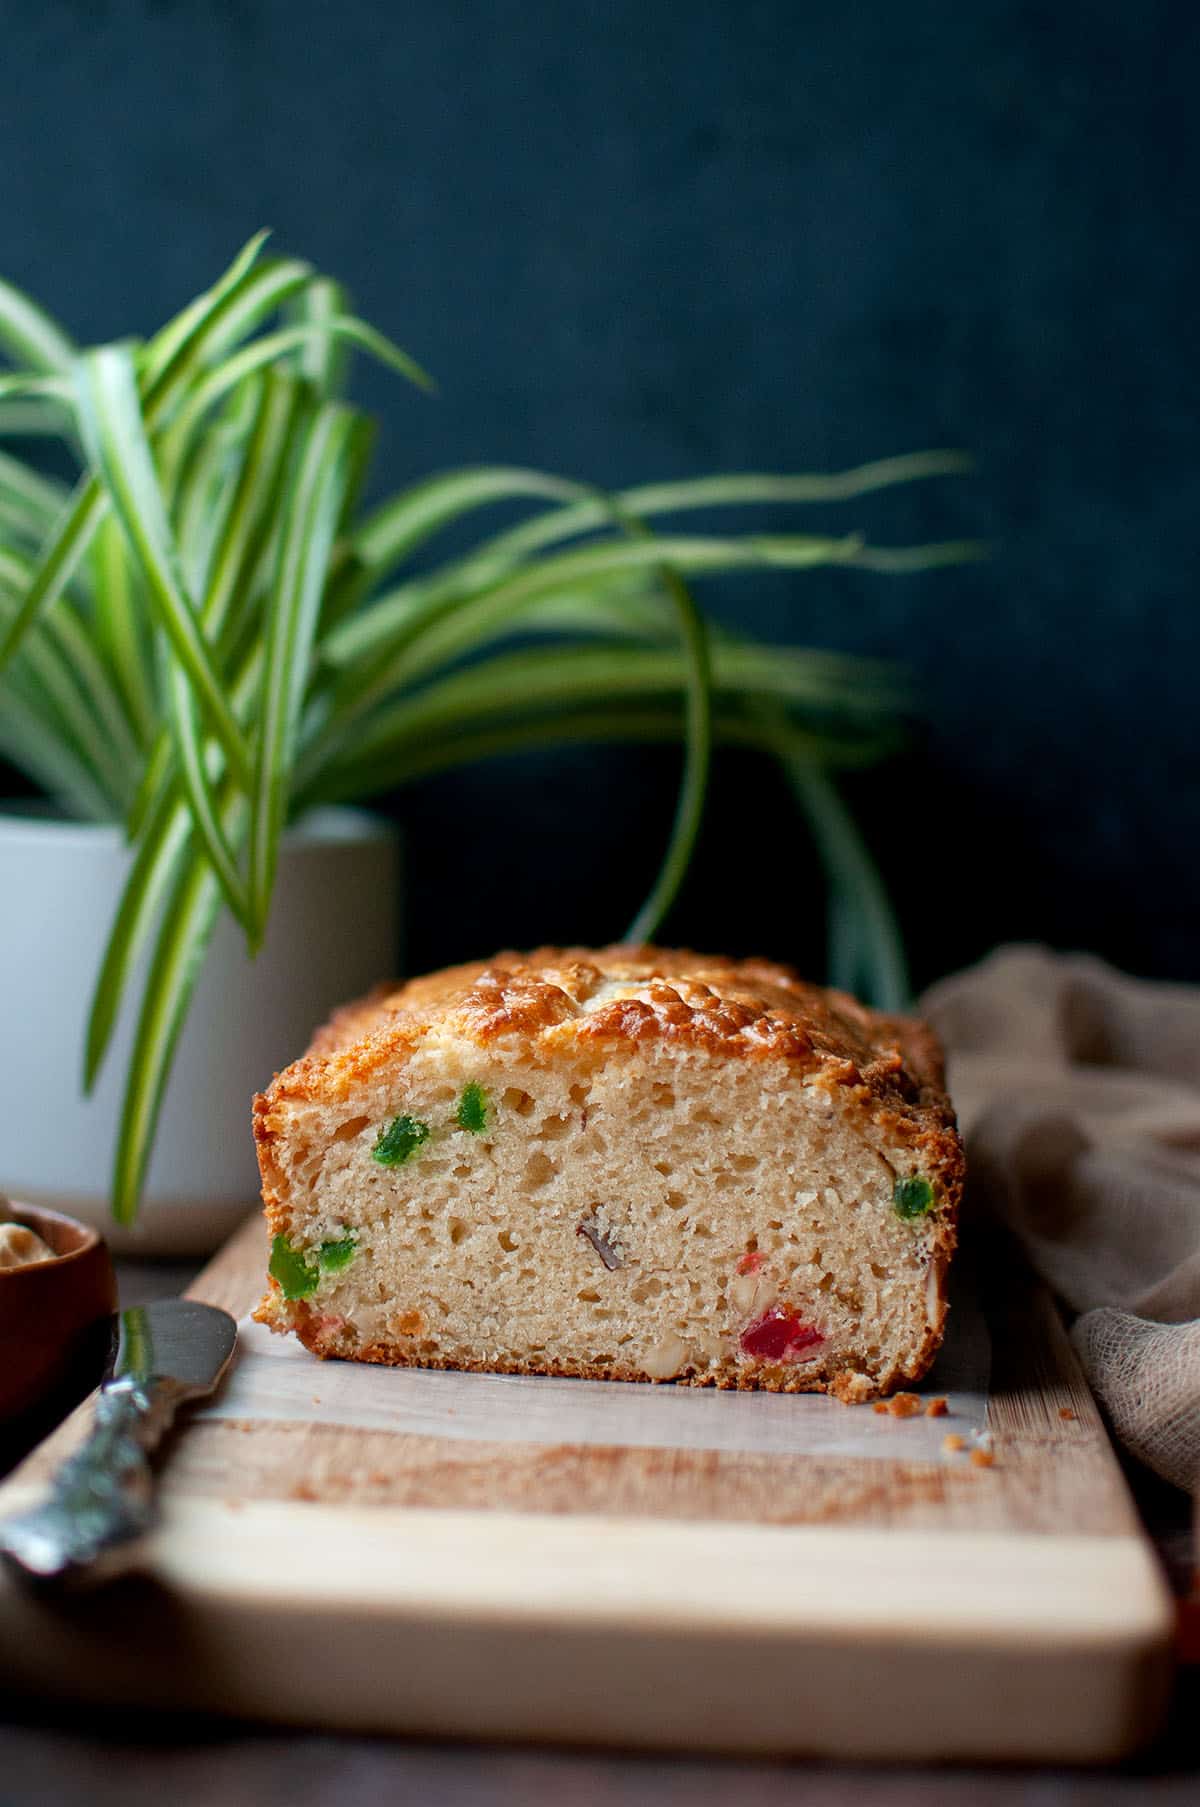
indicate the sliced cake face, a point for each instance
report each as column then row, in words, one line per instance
column 622, row 1165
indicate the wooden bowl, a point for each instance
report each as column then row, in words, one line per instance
column 55, row 1316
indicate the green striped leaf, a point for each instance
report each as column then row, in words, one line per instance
column 312, row 508
column 323, row 360
column 28, row 386
column 200, row 506
column 197, row 771
column 35, row 417
column 185, row 929
column 567, row 676
column 898, row 560
column 29, row 335
column 395, row 529
column 251, row 301
column 163, row 833
column 74, row 685
column 697, row 743
column 410, row 759
column 37, row 499
column 157, row 775
column 866, row 947
column 742, row 489
column 115, row 436
column 697, row 737
column 58, row 562
column 447, row 625
column 165, row 358
column 164, row 838
column 253, row 514
column 273, row 349
column 585, row 508
column 207, row 329
column 120, row 626
column 248, row 523
column 31, row 738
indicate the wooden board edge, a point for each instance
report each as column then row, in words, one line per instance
column 1070, row 1591
column 636, row 1632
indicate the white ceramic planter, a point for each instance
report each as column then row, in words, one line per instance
column 333, row 933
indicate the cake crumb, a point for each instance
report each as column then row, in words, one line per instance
column 952, row 1443
column 303, row 1490
column 937, row 1408
column 1066, row 1414
column 982, row 1458
column 904, row 1405
column 881, row 1405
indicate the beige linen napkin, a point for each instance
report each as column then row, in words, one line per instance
column 1078, row 1090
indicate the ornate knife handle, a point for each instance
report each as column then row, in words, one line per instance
column 101, row 1503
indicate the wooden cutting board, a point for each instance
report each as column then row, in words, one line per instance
column 519, row 1558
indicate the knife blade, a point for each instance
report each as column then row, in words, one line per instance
column 102, row 1501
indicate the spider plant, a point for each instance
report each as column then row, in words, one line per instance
column 209, row 634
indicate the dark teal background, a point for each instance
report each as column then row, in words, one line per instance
column 638, row 240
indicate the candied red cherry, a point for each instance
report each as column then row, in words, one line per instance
column 779, row 1336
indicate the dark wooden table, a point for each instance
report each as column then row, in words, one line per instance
column 136, row 1760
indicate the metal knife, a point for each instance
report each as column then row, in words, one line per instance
column 101, row 1502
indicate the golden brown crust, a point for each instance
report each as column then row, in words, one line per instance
column 740, row 1009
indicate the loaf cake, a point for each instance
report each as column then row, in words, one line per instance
column 627, row 1164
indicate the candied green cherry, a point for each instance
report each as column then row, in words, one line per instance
column 912, row 1196
column 472, row 1110
column 402, row 1137
column 294, row 1269
column 334, row 1256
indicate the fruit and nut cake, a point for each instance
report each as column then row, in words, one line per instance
column 628, row 1164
